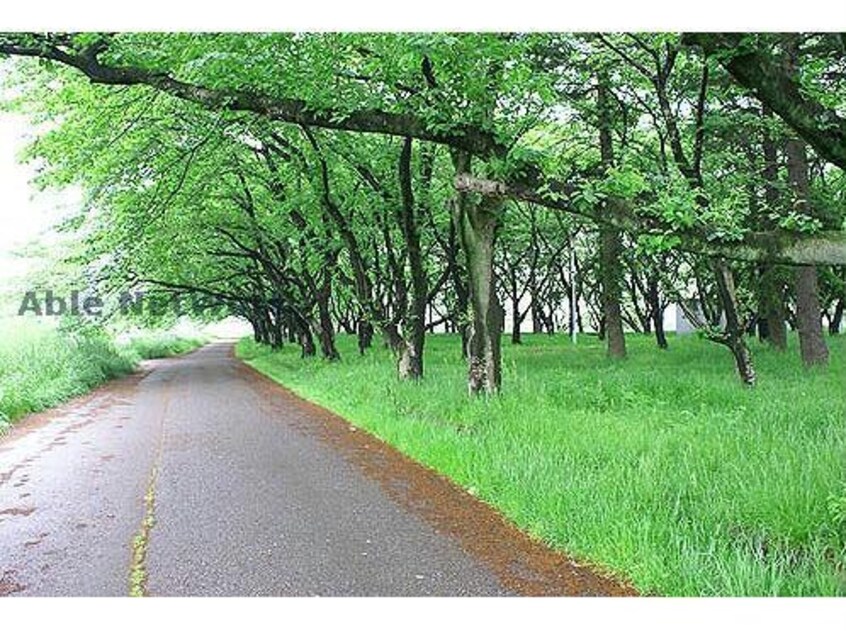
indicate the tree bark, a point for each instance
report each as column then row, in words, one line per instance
column 656, row 311
column 300, row 329
column 773, row 321
column 410, row 362
column 517, row 320
column 477, row 223
column 307, row 343
column 326, row 330
column 537, row 316
column 609, row 255
column 365, row 335
column 771, row 288
column 259, row 335
column 459, row 283
column 812, row 344
column 733, row 336
column 610, row 242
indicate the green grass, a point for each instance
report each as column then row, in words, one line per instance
column 42, row 366
column 661, row 468
column 157, row 344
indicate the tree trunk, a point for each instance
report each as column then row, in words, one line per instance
column 326, row 330
column 391, row 337
column 550, row 322
column 734, row 329
column 261, row 327
column 363, row 287
column 610, row 243
column 307, row 343
column 837, row 318
column 812, row 344
column 477, row 222
column 743, row 361
column 808, row 321
column 277, row 337
column 346, row 324
column 300, row 330
column 656, row 311
column 771, row 288
column 537, row 316
column 365, row 335
column 516, row 333
column 773, row 323
column 459, row 285
column 609, row 255
column 256, row 333
column 517, row 321
column 660, row 333
column 410, row 362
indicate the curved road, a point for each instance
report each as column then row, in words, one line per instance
column 198, row 476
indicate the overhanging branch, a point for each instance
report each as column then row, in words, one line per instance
column 825, row 248
column 465, row 137
column 760, row 72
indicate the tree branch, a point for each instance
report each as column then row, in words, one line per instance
column 298, row 111
column 825, row 248
column 758, row 71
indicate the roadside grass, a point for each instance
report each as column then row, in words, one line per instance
column 157, row 344
column 42, row 366
column 661, row 468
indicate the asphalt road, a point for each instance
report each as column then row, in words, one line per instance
column 199, row 477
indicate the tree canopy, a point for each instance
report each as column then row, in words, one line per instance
column 400, row 182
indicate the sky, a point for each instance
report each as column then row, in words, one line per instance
column 26, row 214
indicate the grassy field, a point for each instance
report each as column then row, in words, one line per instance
column 41, row 366
column 661, row 468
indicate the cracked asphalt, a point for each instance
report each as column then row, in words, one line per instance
column 255, row 493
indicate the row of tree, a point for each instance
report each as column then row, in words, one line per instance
column 391, row 184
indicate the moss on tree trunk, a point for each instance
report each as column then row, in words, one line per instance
column 477, row 223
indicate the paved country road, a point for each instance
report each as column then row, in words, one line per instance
column 198, row 476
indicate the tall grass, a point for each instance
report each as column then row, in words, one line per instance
column 661, row 468
column 156, row 344
column 42, row 365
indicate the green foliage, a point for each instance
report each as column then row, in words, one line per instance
column 837, row 508
column 41, row 366
column 657, row 243
column 662, row 468
column 157, row 344
column 623, row 182
column 164, row 177
column 799, row 222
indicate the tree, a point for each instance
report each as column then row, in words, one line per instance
column 337, row 164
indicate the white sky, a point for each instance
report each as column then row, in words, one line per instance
column 26, row 214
